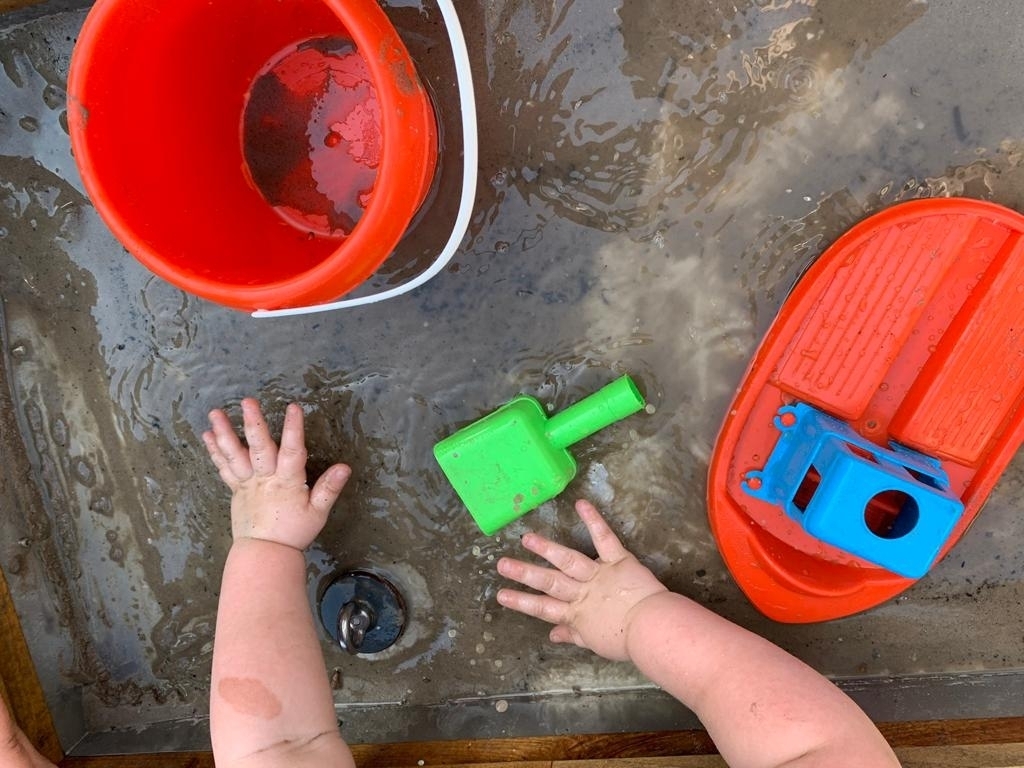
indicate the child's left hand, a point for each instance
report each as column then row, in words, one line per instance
column 271, row 500
column 590, row 602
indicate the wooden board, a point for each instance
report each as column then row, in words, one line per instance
column 972, row 756
column 19, row 684
column 13, row 5
column 976, row 756
column 995, row 743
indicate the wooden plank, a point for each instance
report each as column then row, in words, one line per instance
column 205, row 760
column 13, row 5
column 701, row 761
column 969, row 756
column 928, row 733
column 19, row 684
column 168, row 760
column 539, row 749
column 542, row 749
column 974, row 756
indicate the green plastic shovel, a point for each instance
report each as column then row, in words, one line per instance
column 515, row 459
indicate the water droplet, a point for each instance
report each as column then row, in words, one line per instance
column 54, row 97
column 84, row 472
column 153, row 489
column 59, row 431
column 799, row 77
column 102, row 505
column 116, row 554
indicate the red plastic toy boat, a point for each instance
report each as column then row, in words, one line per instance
column 908, row 332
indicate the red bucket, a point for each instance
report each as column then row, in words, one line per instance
column 175, row 132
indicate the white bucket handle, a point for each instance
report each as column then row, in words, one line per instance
column 470, row 160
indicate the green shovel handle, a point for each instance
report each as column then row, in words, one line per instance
column 609, row 404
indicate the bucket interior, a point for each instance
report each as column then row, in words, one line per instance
column 169, row 83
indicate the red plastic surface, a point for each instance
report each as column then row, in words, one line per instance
column 909, row 327
column 156, row 97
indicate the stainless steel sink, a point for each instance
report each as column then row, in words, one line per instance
column 655, row 177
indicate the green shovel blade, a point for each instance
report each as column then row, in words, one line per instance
column 513, row 460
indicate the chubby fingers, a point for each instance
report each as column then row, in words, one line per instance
column 573, row 564
column 226, row 451
column 539, row 606
column 546, row 580
column 291, row 458
column 327, row 488
column 262, row 449
column 607, row 544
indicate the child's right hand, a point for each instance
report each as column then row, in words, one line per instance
column 270, row 499
column 590, row 602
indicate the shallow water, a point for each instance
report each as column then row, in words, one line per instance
column 654, row 178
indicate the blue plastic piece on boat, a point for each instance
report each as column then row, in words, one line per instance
column 889, row 506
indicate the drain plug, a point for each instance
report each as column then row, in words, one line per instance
column 362, row 612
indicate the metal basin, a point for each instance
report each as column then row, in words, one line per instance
column 655, row 178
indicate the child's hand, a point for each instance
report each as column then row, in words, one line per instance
column 271, row 500
column 590, row 601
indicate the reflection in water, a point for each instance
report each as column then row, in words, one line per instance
column 656, row 177
column 632, row 114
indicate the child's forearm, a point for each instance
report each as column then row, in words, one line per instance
column 761, row 706
column 269, row 689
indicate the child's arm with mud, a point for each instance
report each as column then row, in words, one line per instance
column 270, row 703
column 761, row 706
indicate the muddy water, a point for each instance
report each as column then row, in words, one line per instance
column 654, row 178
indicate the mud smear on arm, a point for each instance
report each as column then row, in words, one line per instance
column 249, row 696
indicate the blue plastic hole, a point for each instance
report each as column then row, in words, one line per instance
column 891, row 514
column 808, row 487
